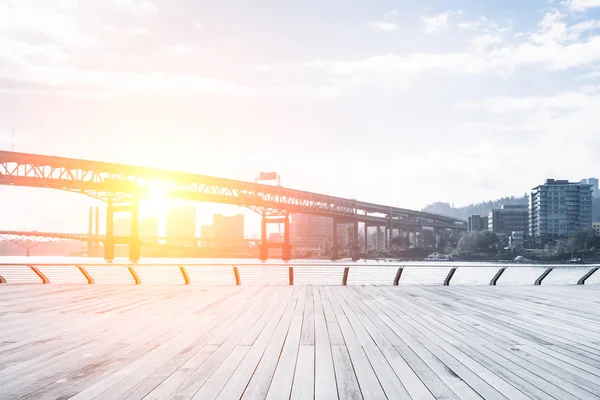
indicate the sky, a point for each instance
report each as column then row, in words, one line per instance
column 395, row 102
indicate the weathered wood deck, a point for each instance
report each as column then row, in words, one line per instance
column 279, row 342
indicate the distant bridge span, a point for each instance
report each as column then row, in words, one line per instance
column 119, row 184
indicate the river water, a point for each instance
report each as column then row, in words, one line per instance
column 220, row 271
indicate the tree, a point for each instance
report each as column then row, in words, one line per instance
column 428, row 238
column 401, row 241
column 478, row 242
column 349, row 235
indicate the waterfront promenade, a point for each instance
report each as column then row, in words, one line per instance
column 303, row 341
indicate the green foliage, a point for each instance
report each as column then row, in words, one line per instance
column 577, row 241
column 400, row 241
column 485, row 207
column 474, row 209
column 477, row 242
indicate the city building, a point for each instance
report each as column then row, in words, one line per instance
column 225, row 231
column 312, row 231
column 510, row 218
column 122, row 227
column 149, row 230
column 517, row 239
column 596, row 226
column 594, row 183
column 557, row 208
column 478, row 223
column 181, row 226
column 276, row 237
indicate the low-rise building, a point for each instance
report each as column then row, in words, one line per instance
column 517, row 239
column 226, row 231
column 478, row 223
column 508, row 219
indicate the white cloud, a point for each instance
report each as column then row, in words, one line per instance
column 571, row 100
column 49, row 65
column 197, row 25
column 110, row 29
column 436, row 23
column 137, row 30
column 484, row 42
column 390, row 14
column 137, row 6
column 469, row 24
column 383, row 26
column 180, row 50
column 582, row 5
column 555, row 45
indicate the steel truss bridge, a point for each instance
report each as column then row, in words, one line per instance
column 121, row 186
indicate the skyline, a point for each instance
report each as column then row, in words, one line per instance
column 480, row 103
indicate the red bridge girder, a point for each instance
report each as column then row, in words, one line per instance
column 119, row 183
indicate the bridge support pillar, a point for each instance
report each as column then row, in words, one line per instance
column 355, row 244
column 109, row 243
column 334, row 251
column 134, row 239
column 96, row 244
column 286, row 247
column 390, row 232
column 286, row 250
column 263, row 249
column 90, row 239
column 378, row 239
column 386, row 244
column 366, row 233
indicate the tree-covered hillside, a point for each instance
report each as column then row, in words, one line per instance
column 473, row 209
column 484, row 207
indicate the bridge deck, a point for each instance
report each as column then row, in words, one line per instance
column 411, row 342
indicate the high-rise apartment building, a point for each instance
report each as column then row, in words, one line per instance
column 181, row 226
column 558, row 208
column 508, row 219
column 594, row 183
column 149, row 230
column 225, row 231
column 311, row 230
column 478, row 223
column 122, row 227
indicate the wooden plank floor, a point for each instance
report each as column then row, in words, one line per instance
column 299, row 342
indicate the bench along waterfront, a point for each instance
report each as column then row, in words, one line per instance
column 270, row 331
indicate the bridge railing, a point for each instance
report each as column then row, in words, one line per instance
column 240, row 272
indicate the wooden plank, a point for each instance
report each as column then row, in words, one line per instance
column 325, row 381
column 347, row 383
column 284, row 373
column 304, row 377
column 369, row 383
column 457, row 342
column 307, row 338
column 215, row 383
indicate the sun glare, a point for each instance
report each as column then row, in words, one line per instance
column 156, row 204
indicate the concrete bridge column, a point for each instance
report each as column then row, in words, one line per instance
column 334, row 250
column 286, row 251
column 109, row 243
column 355, row 252
column 90, row 238
column 366, row 234
column 134, row 236
column 390, row 231
column 263, row 249
column 386, row 234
